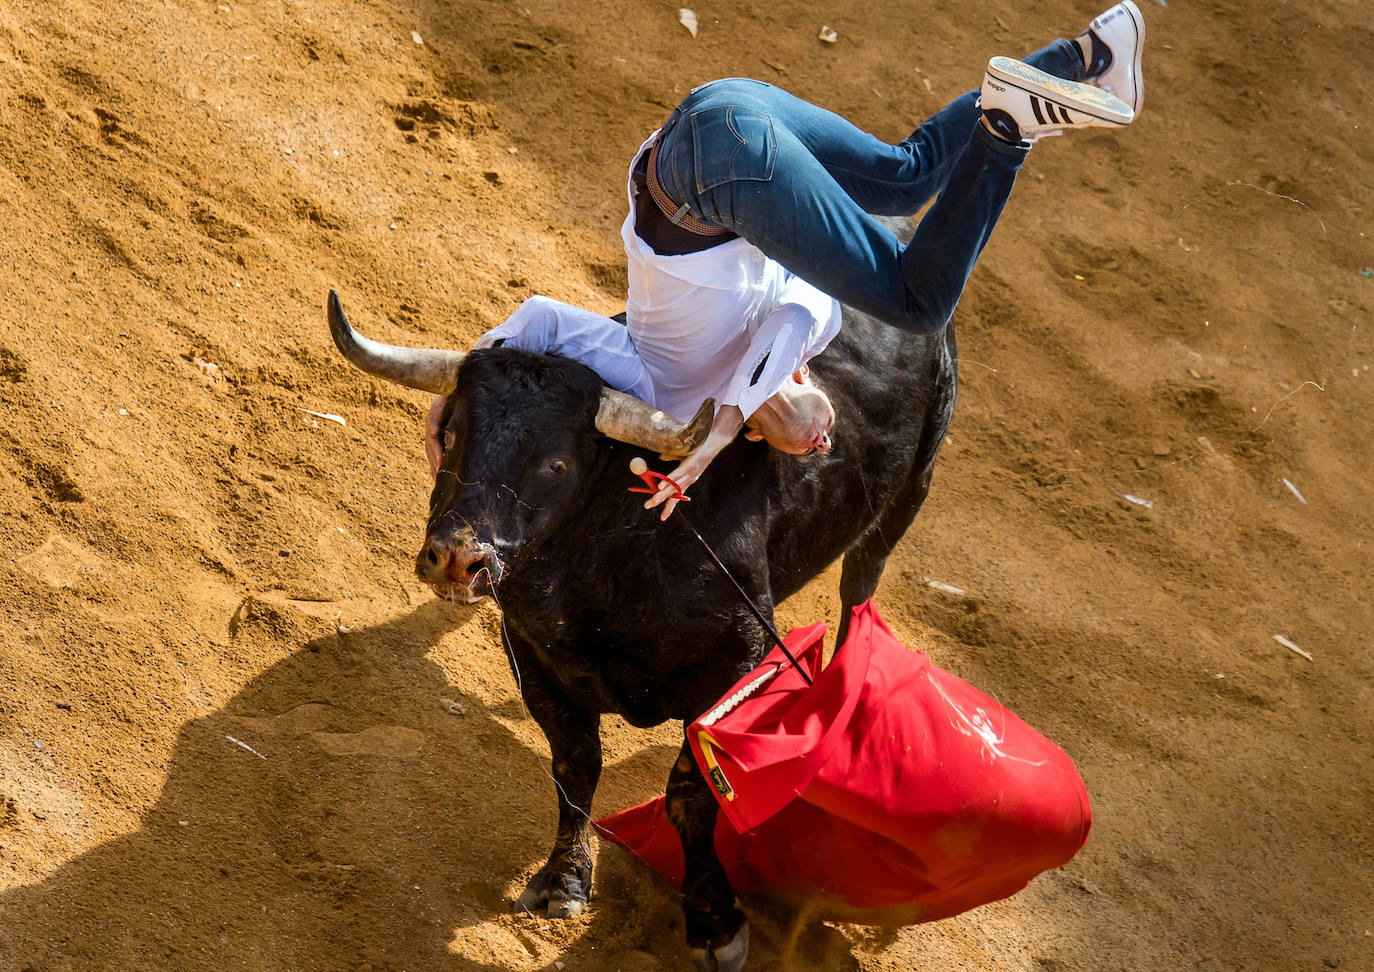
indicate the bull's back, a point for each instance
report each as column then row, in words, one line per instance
column 893, row 394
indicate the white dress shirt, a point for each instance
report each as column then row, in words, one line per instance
column 725, row 323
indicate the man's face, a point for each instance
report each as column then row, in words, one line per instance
column 797, row 420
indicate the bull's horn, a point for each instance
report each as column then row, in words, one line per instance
column 633, row 420
column 619, row 416
column 428, row 369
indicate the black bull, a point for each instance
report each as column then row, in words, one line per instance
column 609, row 610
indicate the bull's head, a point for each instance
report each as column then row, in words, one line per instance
column 520, row 438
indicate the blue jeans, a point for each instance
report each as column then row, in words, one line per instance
column 799, row 183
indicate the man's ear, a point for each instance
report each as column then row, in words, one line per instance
column 754, row 435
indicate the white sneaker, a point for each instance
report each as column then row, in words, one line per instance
column 1021, row 103
column 1112, row 48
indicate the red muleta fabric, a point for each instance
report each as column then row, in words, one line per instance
column 888, row 792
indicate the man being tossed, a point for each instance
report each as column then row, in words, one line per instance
column 718, row 320
column 750, row 206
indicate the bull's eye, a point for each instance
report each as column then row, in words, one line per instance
column 558, row 466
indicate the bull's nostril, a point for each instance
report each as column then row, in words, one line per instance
column 432, row 557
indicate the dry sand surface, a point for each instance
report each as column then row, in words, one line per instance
column 235, row 732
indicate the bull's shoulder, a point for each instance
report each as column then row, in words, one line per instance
column 877, row 368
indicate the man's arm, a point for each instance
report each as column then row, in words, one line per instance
column 434, row 446
column 548, row 326
column 799, row 327
column 726, row 425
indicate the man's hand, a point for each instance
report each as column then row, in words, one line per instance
column 434, row 443
column 724, row 427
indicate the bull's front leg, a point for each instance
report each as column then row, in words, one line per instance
column 563, row 886
column 717, row 931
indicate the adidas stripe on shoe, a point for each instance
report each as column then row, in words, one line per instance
column 1022, row 104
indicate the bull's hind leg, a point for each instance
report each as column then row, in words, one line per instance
column 864, row 563
column 562, row 887
column 717, row 932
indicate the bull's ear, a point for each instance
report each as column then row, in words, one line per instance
column 635, row 421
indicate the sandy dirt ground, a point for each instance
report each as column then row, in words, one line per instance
column 235, row 732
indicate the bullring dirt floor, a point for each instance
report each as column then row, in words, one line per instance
column 235, row 731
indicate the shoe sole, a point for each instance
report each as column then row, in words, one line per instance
column 1138, row 22
column 1093, row 102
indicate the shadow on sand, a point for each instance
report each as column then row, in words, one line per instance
column 369, row 827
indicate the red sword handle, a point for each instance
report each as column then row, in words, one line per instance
column 651, row 479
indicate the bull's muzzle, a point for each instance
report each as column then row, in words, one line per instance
column 457, row 565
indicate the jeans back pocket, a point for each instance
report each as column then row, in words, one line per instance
column 730, row 143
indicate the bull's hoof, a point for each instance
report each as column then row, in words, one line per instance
column 728, row 957
column 718, row 937
column 558, row 894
